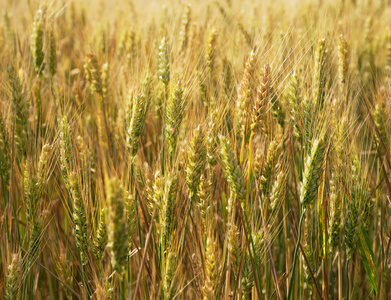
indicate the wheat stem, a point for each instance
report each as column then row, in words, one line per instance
column 291, row 282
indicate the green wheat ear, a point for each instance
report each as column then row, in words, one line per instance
column 184, row 33
column 131, row 217
column 210, row 53
column 245, row 93
column 137, row 120
column 388, row 57
column 312, row 173
column 234, row 243
column 34, row 186
column 131, row 47
column 247, row 280
column 232, row 170
column 92, row 73
column 105, row 75
column 196, row 162
column 212, row 142
column 277, row 191
column 116, row 226
column 169, row 284
column 164, row 63
column 37, row 41
column 42, row 163
column 380, row 118
column 342, row 62
column 320, row 74
column 157, row 192
column 203, row 194
column 20, row 108
column 295, row 105
column 79, row 218
column 174, row 116
column 352, row 224
column 5, row 154
column 52, row 54
column 269, row 168
column 227, row 76
column 66, row 155
column 168, row 215
column 13, row 276
column 100, row 241
column 9, row 33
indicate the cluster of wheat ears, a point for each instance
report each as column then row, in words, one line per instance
column 215, row 150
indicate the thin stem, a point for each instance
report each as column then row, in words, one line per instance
column 339, row 276
column 249, row 240
column 295, row 256
column 85, row 279
column 250, row 160
column 31, row 285
column 39, row 112
column 347, row 279
column 311, row 274
column 102, row 100
column 3, row 187
column 122, row 289
column 145, row 253
column 268, row 255
column 135, row 203
column 163, row 126
column 331, row 277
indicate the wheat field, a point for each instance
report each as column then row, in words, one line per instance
column 227, row 149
